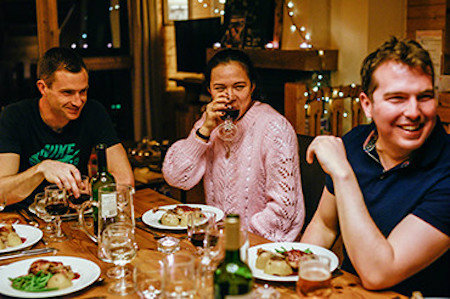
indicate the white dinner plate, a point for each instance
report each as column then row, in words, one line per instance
column 258, row 273
column 30, row 233
column 88, row 271
column 152, row 218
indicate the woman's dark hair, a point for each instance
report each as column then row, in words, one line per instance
column 404, row 51
column 57, row 59
column 227, row 56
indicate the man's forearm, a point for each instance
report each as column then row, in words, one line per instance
column 17, row 187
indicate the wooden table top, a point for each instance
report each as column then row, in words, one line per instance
column 79, row 245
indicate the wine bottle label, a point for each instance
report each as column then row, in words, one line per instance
column 109, row 205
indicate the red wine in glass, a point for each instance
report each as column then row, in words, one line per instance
column 233, row 114
column 56, row 209
column 81, row 199
column 198, row 238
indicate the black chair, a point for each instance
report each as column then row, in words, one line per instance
column 313, row 179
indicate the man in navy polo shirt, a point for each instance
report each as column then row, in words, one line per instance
column 388, row 183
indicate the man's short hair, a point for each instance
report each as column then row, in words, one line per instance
column 57, row 59
column 405, row 51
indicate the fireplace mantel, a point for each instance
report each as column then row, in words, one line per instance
column 309, row 60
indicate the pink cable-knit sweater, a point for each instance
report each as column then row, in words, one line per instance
column 260, row 180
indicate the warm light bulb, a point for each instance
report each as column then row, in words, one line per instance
column 315, row 88
column 269, row 46
column 291, row 13
column 290, row 4
column 325, row 111
column 306, row 94
column 109, row 45
column 302, row 28
column 345, row 114
column 117, row 6
column 304, row 45
column 293, row 27
column 357, row 100
column 217, row 45
column 222, row 12
column 222, row 1
column 73, row 46
column 308, row 36
column 306, row 106
column 216, row 10
column 341, row 94
column 320, row 52
column 205, row 5
column 320, row 77
column 353, row 85
column 84, row 35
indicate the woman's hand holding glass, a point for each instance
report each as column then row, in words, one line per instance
column 220, row 113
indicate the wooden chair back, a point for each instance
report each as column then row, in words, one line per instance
column 321, row 110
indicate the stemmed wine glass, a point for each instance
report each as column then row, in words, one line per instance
column 56, row 205
column 228, row 130
column 197, row 228
column 39, row 208
column 120, row 248
column 85, row 195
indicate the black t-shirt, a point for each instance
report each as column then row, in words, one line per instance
column 22, row 131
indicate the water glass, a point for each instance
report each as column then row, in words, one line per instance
column 179, row 275
column 314, row 276
column 148, row 275
column 120, row 247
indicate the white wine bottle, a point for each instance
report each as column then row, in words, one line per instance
column 232, row 278
column 102, row 178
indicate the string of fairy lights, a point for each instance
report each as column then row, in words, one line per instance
column 317, row 94
column 305, row 36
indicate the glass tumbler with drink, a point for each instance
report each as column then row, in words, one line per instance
column 314, row 276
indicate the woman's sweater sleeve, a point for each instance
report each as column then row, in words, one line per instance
column 283, row 216
column 185, row 161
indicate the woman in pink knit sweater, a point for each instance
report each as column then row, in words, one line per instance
column 256, row 174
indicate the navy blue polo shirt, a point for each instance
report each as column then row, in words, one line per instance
column 418, row 186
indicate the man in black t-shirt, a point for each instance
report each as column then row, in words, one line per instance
column 50, row 139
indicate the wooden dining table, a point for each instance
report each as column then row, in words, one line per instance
column 344, row 284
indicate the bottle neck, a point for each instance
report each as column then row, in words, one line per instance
column 232, row 255
column 101, row 160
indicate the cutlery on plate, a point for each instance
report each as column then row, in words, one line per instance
column 27, row 253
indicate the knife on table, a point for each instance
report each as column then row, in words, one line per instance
column 27, row 253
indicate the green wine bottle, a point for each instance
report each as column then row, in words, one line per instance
column 102, row 178
column 232, row 278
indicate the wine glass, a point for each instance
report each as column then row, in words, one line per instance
column 39, row 208
column 198, row 225
column 227, row 130
column 120, row 248
column 85, row 195
column 56, row 205
column 2, row 203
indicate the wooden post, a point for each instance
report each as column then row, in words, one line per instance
column 47, row 25
column 294, row 102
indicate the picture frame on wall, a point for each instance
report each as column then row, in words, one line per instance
column 175, row 10
column 234, row 36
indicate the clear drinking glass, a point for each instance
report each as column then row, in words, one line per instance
column 39, row 208
column 227, row 130
column 179, row 275
column 314, row 276
column 197, row 228
column 148, row 275
column 120, row 248
column 56, row 205
column 85, row 195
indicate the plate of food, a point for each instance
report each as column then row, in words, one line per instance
column 48, row 276
column 278, row 261
column 18, row 236
column 174, row 217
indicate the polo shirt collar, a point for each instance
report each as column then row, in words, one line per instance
column 422, row 157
